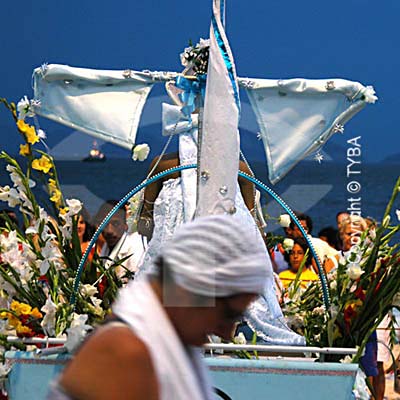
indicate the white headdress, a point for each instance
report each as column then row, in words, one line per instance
column 217, row 256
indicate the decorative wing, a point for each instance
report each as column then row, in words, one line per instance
column 104, row 104
column 297, row 116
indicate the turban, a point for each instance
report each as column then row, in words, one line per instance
column 217, row 256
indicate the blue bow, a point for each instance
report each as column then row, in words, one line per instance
column 191, row 88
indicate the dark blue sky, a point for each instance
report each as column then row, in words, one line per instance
column 351, row 39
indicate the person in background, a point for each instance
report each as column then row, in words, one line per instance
column 85, row 230
column 150, row 348
column 277, row 254
column 324, row 251
column 340, row 217
column 330, row 235
column 118, row 242
column 295, row 258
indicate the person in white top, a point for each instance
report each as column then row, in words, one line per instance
column 119, row 243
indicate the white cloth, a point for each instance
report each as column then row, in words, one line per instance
column 219, row 156
column 323, row 250
column 130, row 244
column 297, row 116
column 104, row 104
column 217, row 256
column 180, row 371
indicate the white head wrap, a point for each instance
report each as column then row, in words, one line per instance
column 217, row 256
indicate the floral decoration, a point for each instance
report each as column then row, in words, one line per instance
column 39, row 260
column 363, row 289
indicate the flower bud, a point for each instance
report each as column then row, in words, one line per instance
column 284, row 220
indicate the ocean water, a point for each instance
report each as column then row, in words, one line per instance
column 320, row 190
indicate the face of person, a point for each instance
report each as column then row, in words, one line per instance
column 296, row 257
column 197, row 323
column 115, row 229
column 341, row 217
column 81, row 227
column 295, row 232
column 350, row 236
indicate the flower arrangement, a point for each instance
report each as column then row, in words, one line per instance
column 363, row 289
column 38, row 260
column 196, row 56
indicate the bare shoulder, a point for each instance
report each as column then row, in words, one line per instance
column 113, row 363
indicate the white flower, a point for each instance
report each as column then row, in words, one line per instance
column 44, row 266
column 333, row 285
column 4, row 371
column 203, row 43
column 319, row 311
column 398, row 214
column 295, row 321
column 50, row 253
column 372, row 233
column 42, row 134
column 140, row 152
column 240, row 339
column 354, row 271
column 284, row 220
column 184, row 60
column 96, row 308
column 369, row 95
column 347, row 360
column 396, row 300
column 74, row 206
column 49, row 320
column 288, row 244
column 77, row 331
column 88, row 290
column 13, row 197
column 24, row 108
column 4, row 193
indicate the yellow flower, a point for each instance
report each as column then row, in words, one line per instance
column 52, row 184
column 63, row 211
column 4, row 314
column 23, row 330
column 36, row 313
column 22, row 126
column 42, row 164
column 56, row 197
column 20, row 308
column 24, row 149
column 13, row 321
column 28, row 131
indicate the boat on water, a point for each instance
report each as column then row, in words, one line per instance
column 95, row 154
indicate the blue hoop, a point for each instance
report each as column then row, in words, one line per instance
column 146, row 182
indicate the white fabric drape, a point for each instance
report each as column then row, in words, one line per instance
column 180, row 371
column 297, row 116
column 219, row 148
column 104, row 104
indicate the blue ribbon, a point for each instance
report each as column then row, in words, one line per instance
column 191, row 88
